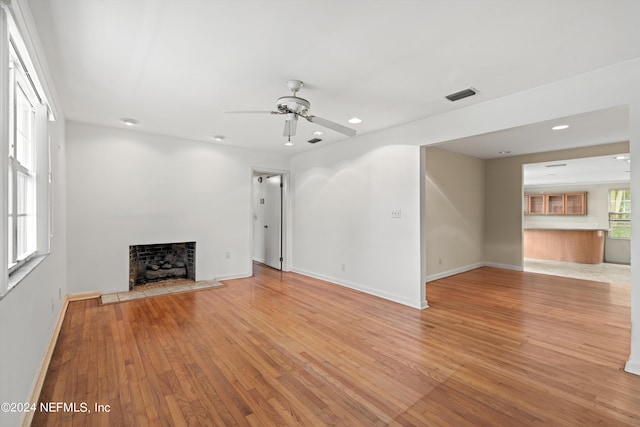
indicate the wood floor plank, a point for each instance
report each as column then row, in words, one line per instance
column 496, row 347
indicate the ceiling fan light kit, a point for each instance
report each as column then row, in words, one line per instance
column 293, row 107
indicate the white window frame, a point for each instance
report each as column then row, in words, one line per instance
column 24, row 75
column 611, row 221
column 18, row 83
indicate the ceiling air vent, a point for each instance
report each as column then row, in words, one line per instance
column 555, row 165
column 314, row 140
column 462, row 94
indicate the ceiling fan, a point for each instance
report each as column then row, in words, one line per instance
column 293, row 107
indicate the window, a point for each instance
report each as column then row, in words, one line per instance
column 25, row 171
column 620, row 213
column 21, row 203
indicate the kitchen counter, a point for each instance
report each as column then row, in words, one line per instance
column 573, row 245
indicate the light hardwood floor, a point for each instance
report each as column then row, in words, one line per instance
column 496, row 347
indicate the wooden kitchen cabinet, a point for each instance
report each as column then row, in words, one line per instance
column 556, row 204
column 535, row 204
column 575, row 203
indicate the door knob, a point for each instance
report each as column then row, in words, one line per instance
column 266, row 226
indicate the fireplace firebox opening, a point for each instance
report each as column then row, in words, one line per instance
column 162, row 261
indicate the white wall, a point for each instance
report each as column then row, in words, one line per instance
column 28, row 313
column 127, row 188
column 454, row 212
column 343, row 230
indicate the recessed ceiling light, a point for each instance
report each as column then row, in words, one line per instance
column 318, row 133
column 560, row 127
column 355, row 120
column 289, row 143
column 504, row 152
column 130, row 122
column 219, row 138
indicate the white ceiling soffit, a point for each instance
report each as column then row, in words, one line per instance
column 176, row 65
column 589, row 170
column 592, row 128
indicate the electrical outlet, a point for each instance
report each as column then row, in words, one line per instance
column 344, row 267
column 396, row 213
column 227, row 255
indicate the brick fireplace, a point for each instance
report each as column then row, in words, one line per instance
column 162, row 261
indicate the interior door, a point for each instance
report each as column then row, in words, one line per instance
column 273, row 222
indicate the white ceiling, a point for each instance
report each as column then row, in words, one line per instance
column 176, row 65
column 588, row 170
column 593, row 128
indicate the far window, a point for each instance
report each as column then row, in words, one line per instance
column 25, row 170
column 22, row 167
column 620, row 213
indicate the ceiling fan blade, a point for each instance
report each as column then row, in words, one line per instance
column 290, row 127
column 331, row 125
column 252, row 112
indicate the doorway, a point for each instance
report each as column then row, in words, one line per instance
column 269, row 219
column 595, row 242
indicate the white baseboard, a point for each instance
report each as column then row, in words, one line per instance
column 504, row 266
column 632, row 367
column 364, row 289
column 232, row 276
column 458, row 270
column 395, row 298
column 442, row 275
